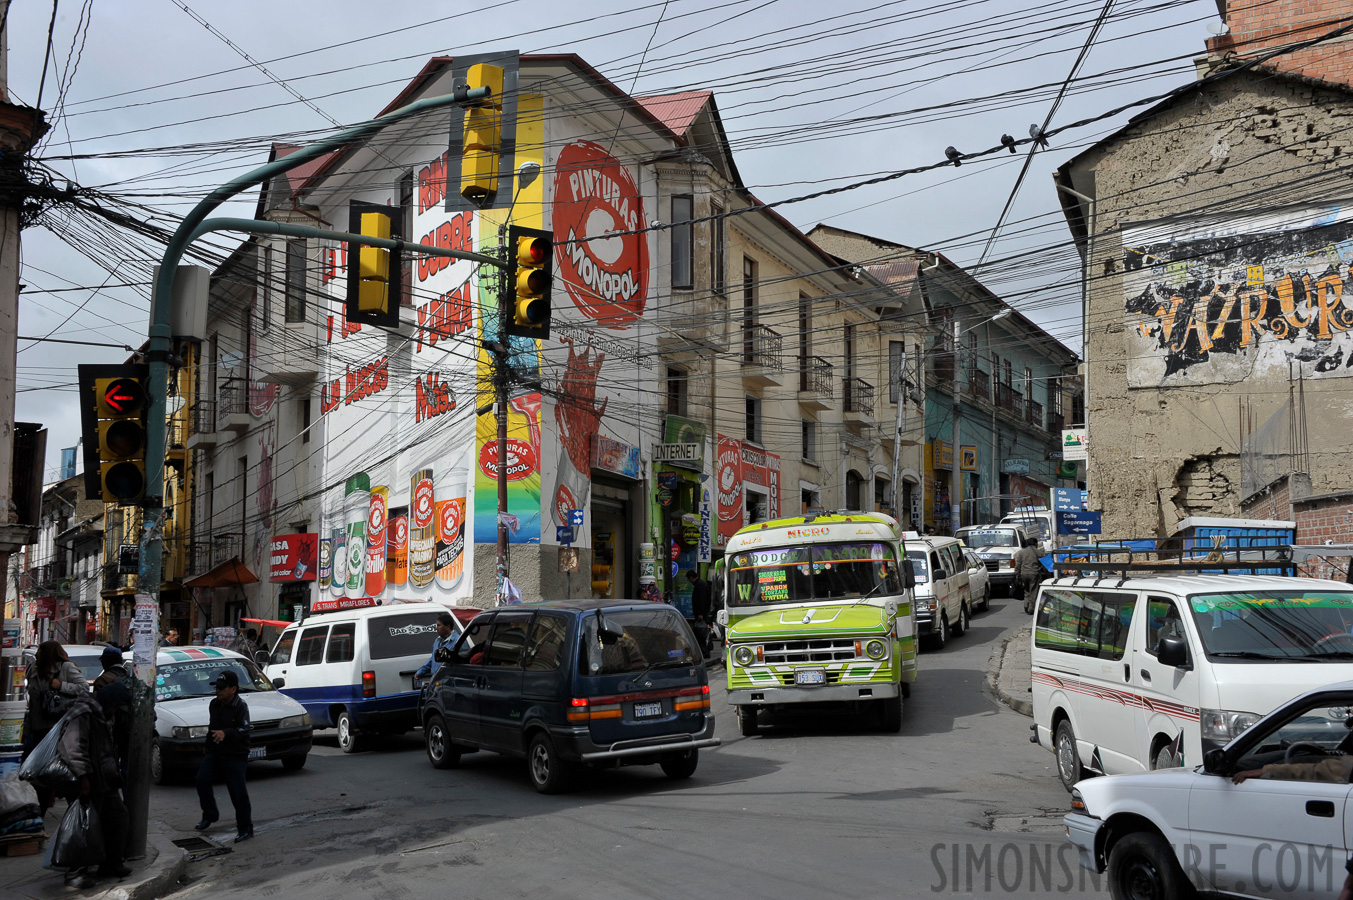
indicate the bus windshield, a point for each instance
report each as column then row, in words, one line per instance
column 1283, row 625
column 784, row 575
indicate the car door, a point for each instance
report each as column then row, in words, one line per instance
column 305, row 676
column 500, row 700
column 1169, row 695
column 543, row 683
column 958, row 581
column 459, row 682
column 1107, row 704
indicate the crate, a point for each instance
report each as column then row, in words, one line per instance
column 24, row 844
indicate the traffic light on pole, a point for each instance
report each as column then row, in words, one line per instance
column 482, row 137
column 533, row 273
column 374, row 287
column 115, row 406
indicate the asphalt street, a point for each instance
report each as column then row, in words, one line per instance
column 958, row 803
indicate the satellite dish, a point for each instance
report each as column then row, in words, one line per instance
column 1219, row 28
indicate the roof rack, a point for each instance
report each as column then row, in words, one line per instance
column 1210, row 555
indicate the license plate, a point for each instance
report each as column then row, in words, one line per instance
column 810, row 676
column 644, row 710
column 258, row 752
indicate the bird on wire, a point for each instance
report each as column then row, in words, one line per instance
column 1008, row 142
column 1037, row 134
column 953, row 156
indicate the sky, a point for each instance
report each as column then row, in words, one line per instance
column 155, row 102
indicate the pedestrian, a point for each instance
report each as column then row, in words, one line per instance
column 119, row 714
column 446, row 636
column 1028, row 572
column 170, row 639
column 246, row 643
column 53, row 684
column 700, row 608
column 87, row 747
column 227, row 756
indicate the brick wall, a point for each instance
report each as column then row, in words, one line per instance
column 1261, row 26
column 1272, row 503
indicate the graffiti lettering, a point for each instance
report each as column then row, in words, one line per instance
column 453, row 234
column 356, row 384
column 448, row 315
column 432, row 397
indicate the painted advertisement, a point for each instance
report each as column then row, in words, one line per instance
column 739, row 469
column 1221, row 300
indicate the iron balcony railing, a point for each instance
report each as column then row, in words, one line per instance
column 1033, row 413
column 816, row 376
column 203, row 417
column 761, row 347
column 979, row 383
column 859, row 397
column 234, row 400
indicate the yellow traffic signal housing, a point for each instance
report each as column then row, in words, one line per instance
column 482, row 140
column 114, row 408
column 374, row 286
column 533, row 273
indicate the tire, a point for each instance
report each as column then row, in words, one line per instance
column 939, row 638
column 986, row 598
column 964, row 620
column 1143, row 867
column 890, row 715
column 1069, row 768
column 1164, row 759
column 549, row 774
column 441, row 752
column 680, row 767
column 158, row 773
column 747, row 725
column 347, row 733
column 293, row 763
column 906, row 688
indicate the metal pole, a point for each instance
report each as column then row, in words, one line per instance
column 955, row 503
column 500, row 385
column 897, row 439
column 1085, row 316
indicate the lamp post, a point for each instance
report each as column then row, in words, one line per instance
column 955, row 462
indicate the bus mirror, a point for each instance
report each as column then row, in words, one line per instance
column 908, row 575
column 1172, row 651
column 721, row 617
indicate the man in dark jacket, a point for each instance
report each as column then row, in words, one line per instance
column 227, row 756
column 119, row 714
column 87, row 748
column 700, row 606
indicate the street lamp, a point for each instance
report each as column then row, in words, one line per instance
column 955, row 467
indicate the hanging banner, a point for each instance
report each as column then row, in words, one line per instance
column 703, row 549
column 728, row 475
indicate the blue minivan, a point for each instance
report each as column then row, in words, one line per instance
column 572, row 683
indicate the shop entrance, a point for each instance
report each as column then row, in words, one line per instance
column 610, row 548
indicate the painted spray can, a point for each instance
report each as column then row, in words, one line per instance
column 339, row 585
column 397, row 547
column 326, row 563
column 450, row 518
column 356, row 509
column 422, row 530
column 376, row 522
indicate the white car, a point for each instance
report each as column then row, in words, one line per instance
column 1172, row 832
column 280, row 727
column 979, row 581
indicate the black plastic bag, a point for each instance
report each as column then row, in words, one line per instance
column 79, row 838
column 44, row 768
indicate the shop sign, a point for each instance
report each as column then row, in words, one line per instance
column 1015, row 466
column 967, row 458
column 612, row 456
column 690, row 535
column 681, row 430
column 1075, row 445
column 665, row 496
column 128, row 559
column 686, row 455
column 338, row 604
column 292, row 557
column 706, row 523
column 1066, row 470
column 44, row 607
column 942, row 455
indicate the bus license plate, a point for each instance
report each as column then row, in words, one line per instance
column 810, row 676
column 258, row 752
column 644, row 710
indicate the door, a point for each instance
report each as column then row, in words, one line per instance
column 305, row 678
column 1170, row 695
column 500, row 700
column 543, row 678
column 1106, row 702
column 460, row 678
column 958, row 569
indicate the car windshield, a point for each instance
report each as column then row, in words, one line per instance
column 648, row 638
column 783, row 575
column 919, row 566
column 178, row 681
column 993, row 537
column 1287, row 625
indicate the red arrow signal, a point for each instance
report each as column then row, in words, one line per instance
column 124, row 396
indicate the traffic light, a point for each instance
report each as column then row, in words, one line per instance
column 482, row 138
column 374, row 284
column 533, row 252
column 114, row 408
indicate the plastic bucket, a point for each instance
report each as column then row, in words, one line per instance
column 11, row 725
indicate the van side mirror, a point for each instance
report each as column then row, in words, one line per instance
column 1214, row 761
column 262, row 658
column 442, row 654
column 722, row 617
column 908, row 575
column 279, row 682
column 1173, row 651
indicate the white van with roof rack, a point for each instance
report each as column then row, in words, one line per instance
column 1147, row 663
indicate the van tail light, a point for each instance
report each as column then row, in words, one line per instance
column 368, row 684
column 582, row 709
column 692, row 699
column 578, row 711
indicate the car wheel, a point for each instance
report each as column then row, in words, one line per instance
column 906, row 688
column 1143, row 867
column 747, row 725
column 1069, row 767
column 679, row 767
column 549, row 773
column 964, row 619
column 1164, row 759
column 940, row 638
column 986, row 598
column 890, row 715
column 347, row 733
column 158, row 774
column 293, row 763
column 441, row 752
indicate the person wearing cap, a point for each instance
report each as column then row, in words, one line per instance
column 227, row 756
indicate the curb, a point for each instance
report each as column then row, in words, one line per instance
column 1020, row 705
column 172, row 862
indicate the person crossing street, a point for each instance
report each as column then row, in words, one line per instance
column 227, row 756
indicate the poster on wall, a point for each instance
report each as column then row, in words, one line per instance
column 1219, row 300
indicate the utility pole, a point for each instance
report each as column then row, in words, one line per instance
column 955, row 473
column 897, row 442
column 502, row 363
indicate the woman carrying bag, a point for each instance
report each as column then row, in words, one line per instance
column 53, row 684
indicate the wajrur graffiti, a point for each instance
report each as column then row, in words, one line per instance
column 1222, row 307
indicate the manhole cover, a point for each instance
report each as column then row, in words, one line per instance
column 200, row 848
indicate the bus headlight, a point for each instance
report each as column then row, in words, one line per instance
column 743, row 656
column 875, row 650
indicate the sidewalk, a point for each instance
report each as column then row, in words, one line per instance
column 1008, row 671
column 157, row 875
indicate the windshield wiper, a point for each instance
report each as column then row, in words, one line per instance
column 1332, row 654
column 1247, row 654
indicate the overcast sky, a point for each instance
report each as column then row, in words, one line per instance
column 157, row 108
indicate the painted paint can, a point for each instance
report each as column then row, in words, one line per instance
column 356, row 509
column 422, row 529
column 376, row 522
column 450, row 519
column 397, row 544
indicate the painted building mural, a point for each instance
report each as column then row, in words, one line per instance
column 741, row 469
column 1222, row 300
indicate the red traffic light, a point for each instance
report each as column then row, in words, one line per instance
column 123, row 397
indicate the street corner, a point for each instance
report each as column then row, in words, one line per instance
column 1008, row 671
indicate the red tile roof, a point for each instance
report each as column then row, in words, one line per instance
column 676, row 111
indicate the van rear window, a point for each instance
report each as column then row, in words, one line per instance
column 406, row 634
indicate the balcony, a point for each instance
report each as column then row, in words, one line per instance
column 1033, row 414
column 207, row 551
column 979, row 384
column 202, row 424
column 292, row 356
column 688, row 320
column 859, row 402
column 815, row 383
column 1056, row 422
column 761, row 361
column 1009, row 400
column 232, row 409
column 114, row 583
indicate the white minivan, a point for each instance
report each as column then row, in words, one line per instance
column 353, row 669
column 943, row 596
column 1136, row 673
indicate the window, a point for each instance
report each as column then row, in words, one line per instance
column 266, row 287
column 805, row 342
column 853, row 482
column 1162, row 620
column 676, row 392
column 341, row 640
column 757, row 506
column 402, row 634
column 310, row 648
column 682, row 213
column 545, row 643
column 748, row 310
column 282, row 652
column 469, row 650
column 295, row 284
column 406, row 226
column 754, row 419
column 305, row 420
column 1077, row 409
column 1055, row 396
column 508, row 641
column 1029, row 393
column 718, row 273
column 1009, row 373
column 897, row 369
column 809, row 440
column 808, row 499
column 1086, row 623
column 883, row 496
column 649, row 637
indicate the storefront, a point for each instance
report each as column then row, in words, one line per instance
column 616, row 495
